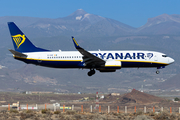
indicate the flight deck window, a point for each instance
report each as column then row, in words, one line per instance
column 164, row 55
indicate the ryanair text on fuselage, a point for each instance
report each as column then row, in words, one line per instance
column 123, row 55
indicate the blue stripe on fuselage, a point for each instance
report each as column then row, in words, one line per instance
column 54, row 64
column 141, row 64
column 79, row 64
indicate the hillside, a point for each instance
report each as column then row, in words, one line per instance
column 171, row 84
column 135, row 97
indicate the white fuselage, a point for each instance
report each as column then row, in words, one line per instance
column 73, row 59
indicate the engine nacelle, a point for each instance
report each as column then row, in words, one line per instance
column 113, row 64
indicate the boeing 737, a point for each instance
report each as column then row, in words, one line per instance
column 104, row 61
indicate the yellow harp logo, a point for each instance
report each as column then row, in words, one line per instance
column 19, row 39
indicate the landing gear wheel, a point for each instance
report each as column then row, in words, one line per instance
column 91, row 72
column 157, row 72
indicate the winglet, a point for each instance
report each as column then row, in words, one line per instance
column 75, row 43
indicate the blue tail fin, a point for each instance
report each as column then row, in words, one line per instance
column 20, row 41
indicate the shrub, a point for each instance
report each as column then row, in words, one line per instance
column 176, row 99
column 70, row 112
column 151, row 114
column 23, row 116
column 57, row 112
column 14, row 111
column 116, row 114
column 139, row 113
column 44, row 111
column 162, row 116
column 29, row 111
column 173, row 116
column 78, row 117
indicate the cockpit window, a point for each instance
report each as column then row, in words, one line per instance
column 164, row 55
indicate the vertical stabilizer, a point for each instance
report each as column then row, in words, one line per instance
column 20, row 41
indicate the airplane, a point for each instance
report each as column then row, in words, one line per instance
column 103, row 61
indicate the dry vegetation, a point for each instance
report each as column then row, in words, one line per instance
column 134, row 98
column 11, row 97
column 74, row 115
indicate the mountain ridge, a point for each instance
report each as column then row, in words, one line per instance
column 81, row 21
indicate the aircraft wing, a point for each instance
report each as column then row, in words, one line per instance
column 17, row 53
column 89, row 59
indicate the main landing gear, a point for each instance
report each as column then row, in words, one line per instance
column 91, row 72
column 157, row 71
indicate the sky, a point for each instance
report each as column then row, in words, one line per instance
column 131, row 12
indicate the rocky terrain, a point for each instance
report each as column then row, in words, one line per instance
column 135, row 97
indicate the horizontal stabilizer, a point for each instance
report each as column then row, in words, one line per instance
column 17, row 53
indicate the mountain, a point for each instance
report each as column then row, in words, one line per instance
column 134, row 96
column 81, row 23
column 162, row 24
column 81, row 15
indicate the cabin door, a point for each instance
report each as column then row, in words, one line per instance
column 39, row 59
column 155, row 57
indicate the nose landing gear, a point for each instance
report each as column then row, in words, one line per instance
column 157, row 71
column 161, row 67
column 91, row 72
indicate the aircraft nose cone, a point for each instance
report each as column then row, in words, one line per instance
column 171, row 60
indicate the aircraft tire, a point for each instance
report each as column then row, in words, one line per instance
column 91, row 72
column 157, row 72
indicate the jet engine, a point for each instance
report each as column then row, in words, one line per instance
column 111, row 66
